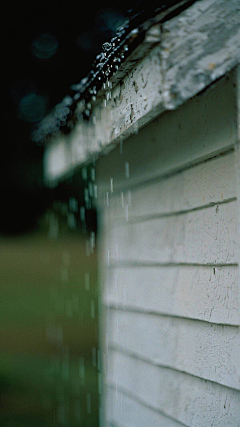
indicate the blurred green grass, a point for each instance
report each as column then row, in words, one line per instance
column 49, row 333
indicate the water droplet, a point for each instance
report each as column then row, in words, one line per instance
column 81, row 371
column 93, row 174
column 107, row 198
column 122, row 199
column 86, row 195
column 73, row 204
column 127, row 172
column 87, row 112
column 95, row 191
column 121, row 145
column 107, row 46
column 111, row 185
column 90, row 187
column 92, row 241
column 82, row 213
column 71, row 221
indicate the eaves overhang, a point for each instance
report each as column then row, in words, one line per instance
column 156, row 66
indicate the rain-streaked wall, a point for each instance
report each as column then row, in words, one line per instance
column 170, row 268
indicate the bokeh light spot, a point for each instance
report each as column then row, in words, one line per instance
column 45, row 46
column 32, row 108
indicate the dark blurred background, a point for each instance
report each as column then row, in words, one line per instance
column 50, row 364
column 49, row 359
column 47, row 47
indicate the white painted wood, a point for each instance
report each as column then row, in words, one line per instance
column 190, row 400
column 202, row 128
column 196, row 47
column 207, row 236
column 209, row 182
column 204, row 293
column 125, row 411
column 167, row 285
column 204, row 43
column 206, row 350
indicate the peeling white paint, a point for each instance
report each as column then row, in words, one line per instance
column 196, row 48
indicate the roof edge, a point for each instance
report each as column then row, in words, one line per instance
column 175, row 61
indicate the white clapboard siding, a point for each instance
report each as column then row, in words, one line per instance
column 206, row 350
column 169, row 266
column 209, row 182
column 202, row 128
column 190, row 400
column 206, row 293
column 206, row 236
column 124, row 411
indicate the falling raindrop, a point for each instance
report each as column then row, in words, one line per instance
column 95, row 191
column 121, row 145
column 107, row 198
column 86, row 195
column 122, row 199
column 93, row 174
column 90, row 188
column 92, row 241
column 82, row 213
column 73, row 204
column 111, row 185
column 71, row 221
column 81, row 371
column 127, row 172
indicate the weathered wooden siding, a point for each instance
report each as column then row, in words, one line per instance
column 185, row 54
column 169, row 264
